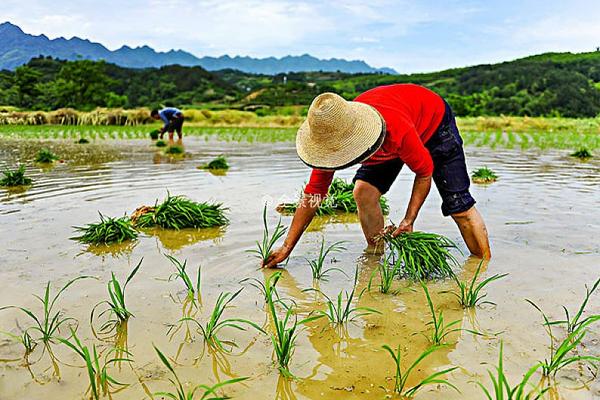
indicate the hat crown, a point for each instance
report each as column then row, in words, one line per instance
column 328, row 114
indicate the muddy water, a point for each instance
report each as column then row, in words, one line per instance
column 542, row 216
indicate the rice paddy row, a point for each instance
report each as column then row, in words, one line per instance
column 568, row 138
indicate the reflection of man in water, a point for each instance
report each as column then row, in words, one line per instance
column 383, row 129
column 173, row 121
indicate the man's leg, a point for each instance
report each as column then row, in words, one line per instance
column 369, row 210
column 171, row 136
column 473, row 230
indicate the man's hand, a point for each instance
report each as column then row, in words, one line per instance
column 405, row 226
column 277, row 256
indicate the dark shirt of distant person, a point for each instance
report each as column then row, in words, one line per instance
column 173, row 121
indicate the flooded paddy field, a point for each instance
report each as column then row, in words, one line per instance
column 542, row 215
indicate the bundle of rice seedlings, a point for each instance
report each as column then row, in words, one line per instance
column 107, row 231
column 178, row 212
column 339, row 199
column 174, row 150
column 161, row 143
column 154, row 134
column 219, row 163
column 15, row 177
column 45, row 156
column 582, row 154
column 422, row 255
column 484, row 175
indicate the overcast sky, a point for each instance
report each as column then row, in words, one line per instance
column 410, row 36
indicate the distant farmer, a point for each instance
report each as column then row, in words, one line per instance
column 383, row 129
column 173, row 121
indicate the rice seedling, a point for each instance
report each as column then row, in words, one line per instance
column 469, row 293
column 484, row 175
column 174, row 150
column 161, row 143
column 317, row 267
column 178, row 212
column 45, row 156
column 582, row 154
column 154, row 134
column 216, row 323
column 15, row 177
column 574, row 323
column 83, row 141
column 218, row 163
column 341, row 310
column 423, row 255
column 401, row 376
column 502, row 390
column 387, row 271
column 180, row 392
column 115, row 306
column 440, row 330
column 263, row 249
column 101, row 383
column 560, row 352
column 284, row 338
column 108, row 230
column 25, row 340
column 340, row 198
column 193, row 290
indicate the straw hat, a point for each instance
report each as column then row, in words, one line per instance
column 338, row 133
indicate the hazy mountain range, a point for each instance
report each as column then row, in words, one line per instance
column 18, row 47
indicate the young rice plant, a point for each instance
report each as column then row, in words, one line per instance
column 193, row 289
column 582, row 154
column 439, row 329
column 219, row 163
column 45, row 156
column 317, row 267
column 108, row 230
column 15, row 177
column 263, row 248
column 469, row 293
column 387, row 271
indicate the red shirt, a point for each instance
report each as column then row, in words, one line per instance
column 412, row 114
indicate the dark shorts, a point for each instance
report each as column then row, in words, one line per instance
column 449, row 168
column 176, row 124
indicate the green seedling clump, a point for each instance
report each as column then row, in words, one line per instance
column 422, row 255
column 174, row 150
column 582, row 154
column 340, row 198
column 161, row 143
column 179, row 212
column 484, row 175
column 15, row 177
column 219, row 163
column 108, row 230
column 154, row 134
column 45, row 156
column 83, row 141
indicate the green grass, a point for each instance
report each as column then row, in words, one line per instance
column 469, row 293
column 101, row 383
column 179, row 212
column 211, row 328
column 174, row 150
column 45, row 156
column 484, row 175
column 501, row 388
column 423, row 255
column 161, row 143
column 401, row 376
column 108, row 230
column 201, row 392
column 219, row 163
column 116, row 309
column 582, row 154
column 15, row 177
column 264, row 247
column 317, row 267
column 340, row 198
column 387, row 271
column 193, row 289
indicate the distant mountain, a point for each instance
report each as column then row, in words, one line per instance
column 18, row 47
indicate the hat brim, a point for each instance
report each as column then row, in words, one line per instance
column 363, row 139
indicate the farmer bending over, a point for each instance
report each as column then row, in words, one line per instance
column 173, row 121
column 383, row 129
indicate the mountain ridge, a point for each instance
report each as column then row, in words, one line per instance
column 18, row 47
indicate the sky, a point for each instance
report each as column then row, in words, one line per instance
column 409, row 36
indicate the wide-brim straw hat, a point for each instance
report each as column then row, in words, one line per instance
column 339, row 133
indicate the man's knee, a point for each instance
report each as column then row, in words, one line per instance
column 464, row 215
column 365, row 194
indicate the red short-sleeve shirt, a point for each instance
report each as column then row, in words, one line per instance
column 412, row 113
